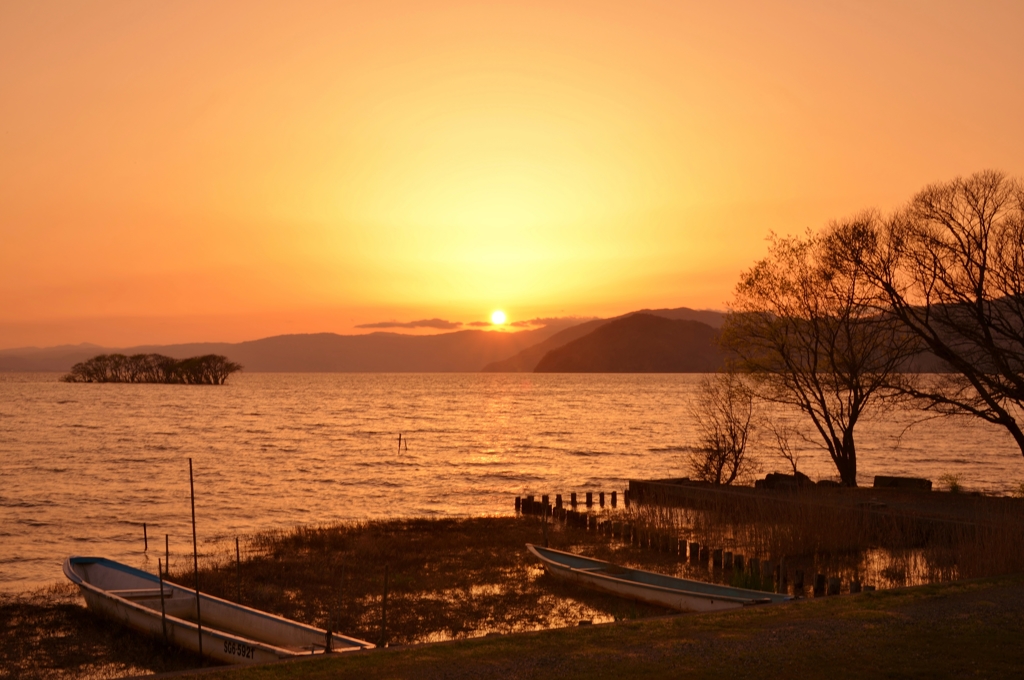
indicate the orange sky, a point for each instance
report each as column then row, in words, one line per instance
column 179, row 171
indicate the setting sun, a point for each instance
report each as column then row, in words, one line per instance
column 498, row 318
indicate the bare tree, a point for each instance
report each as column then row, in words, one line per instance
column 723, row 410
column 950, row 267
column 803, row 324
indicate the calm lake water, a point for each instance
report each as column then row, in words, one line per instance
column 83, row 466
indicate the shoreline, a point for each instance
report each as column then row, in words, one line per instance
column 456, row 580
column 944, row 630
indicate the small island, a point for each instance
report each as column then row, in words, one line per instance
column 210, row 369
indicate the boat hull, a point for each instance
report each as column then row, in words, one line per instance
column 231, row 633
column 660, row 590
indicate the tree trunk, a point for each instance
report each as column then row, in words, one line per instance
column 846, row 460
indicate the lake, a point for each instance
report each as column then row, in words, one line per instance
column 82, row 466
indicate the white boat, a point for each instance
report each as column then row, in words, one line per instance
column 231, row 633
column 646, row 586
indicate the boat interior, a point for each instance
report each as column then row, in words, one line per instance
column 178, row 602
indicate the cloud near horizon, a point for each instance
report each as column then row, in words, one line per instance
column 547, row 321
column 440, row 324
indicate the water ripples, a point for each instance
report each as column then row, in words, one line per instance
column 83, row 466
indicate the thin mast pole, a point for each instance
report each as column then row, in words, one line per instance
column 195, row 558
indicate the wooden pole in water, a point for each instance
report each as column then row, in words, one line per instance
column 195, row 559
column 167, row 554
column 145, row 538
column 384, row 612
column 238, row 571
column 163, row 609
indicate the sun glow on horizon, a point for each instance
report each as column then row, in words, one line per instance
column 498, row 317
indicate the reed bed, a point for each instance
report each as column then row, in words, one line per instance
column 934, row 537
column 446, row 578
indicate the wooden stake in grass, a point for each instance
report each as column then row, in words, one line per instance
column 195, row 559
column 163, row 610
column 238, row 572
column 384, row 612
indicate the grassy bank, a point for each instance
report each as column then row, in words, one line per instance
column 460, row 580
column 946, row 630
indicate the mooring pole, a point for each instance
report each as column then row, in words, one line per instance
column 145, row 538
column 167, row 554
column 238, row 570
column 195, row 559
column 163, row 610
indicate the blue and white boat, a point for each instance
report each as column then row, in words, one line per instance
column 231, row 633
column 646, row 586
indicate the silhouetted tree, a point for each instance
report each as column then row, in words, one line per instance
column 211, row 369
column 804, row 325
column 723, row 411
column 950, row 267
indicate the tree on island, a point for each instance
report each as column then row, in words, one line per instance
column 803, row 325
column 211, row 369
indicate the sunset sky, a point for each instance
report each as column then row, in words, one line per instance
column 187, row 171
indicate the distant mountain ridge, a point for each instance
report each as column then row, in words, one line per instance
column 639, row 343
column 459, row 351
column 527, row 360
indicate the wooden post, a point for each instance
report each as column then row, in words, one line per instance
column 716, row 558
column 625, row 498
column 737, row 562
column 518, row 504
column 798, row 582
column 614, row 498
column 834, row 585
column 600, row 498
column 694, row 553
column 590, row 499
column 558, row 501
column 544, row 500
column 195, row 560
column 145, row 538
column 727, row 559
column 167, row 554
column 572, row 500
column 528, row 508
column 238, row 572
column 384, row 612
column 163, row 609
column 819, row 585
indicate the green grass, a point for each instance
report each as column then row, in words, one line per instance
column 947, row 630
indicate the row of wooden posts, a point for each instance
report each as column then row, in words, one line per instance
column 696, row 554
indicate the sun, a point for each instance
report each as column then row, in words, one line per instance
column 498, row 317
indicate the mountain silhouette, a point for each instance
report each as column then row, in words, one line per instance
column 639, row 343
column 461, row 351
column 527, row 360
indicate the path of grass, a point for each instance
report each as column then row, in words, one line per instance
column 960, row 629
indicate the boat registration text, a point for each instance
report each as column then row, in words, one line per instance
column 238, row 649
